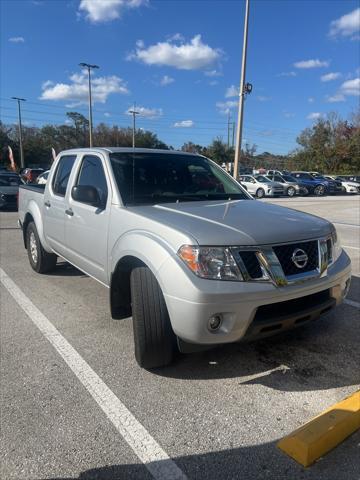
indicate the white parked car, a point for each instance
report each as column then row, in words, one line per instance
column 42, row 179
column 348, row 185
column 261, row 186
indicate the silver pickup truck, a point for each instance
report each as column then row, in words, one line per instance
column 182, row 247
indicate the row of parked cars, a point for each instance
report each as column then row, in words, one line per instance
column 278, row 183
column 271, row 184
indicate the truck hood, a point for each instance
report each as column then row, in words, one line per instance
column 238, row 222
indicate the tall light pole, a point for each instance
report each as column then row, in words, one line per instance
column 134, row 113
column 242, row 92
column 22, row 163
column 89, row 67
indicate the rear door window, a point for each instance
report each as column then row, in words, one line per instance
column 62, row 174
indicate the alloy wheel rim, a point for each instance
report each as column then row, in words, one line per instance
column 33, row 247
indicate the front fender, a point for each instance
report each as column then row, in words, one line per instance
column 152, row 250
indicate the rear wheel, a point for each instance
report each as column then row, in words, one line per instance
column 290, row 191
column 154, row 339
column 40, row 260
column 319, row 190
column 260, row 193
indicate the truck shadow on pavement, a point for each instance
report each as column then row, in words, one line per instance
column 323, row 354
column 256, row 462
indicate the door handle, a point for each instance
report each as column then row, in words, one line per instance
column 47, row 204
column 69, row 212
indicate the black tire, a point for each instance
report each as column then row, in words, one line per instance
column 154, row 339
column 260, row 193
column 290, row 192
column 319, row 190
column 40, row 260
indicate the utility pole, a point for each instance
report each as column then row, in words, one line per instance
column 228, row 129
column 89, row 67
column 233, row 135
column 242, row 93
column 134, row 113
column 22, row 163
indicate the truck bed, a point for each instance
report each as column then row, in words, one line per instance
column 34, row 187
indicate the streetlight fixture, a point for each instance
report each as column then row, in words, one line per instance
column 22, row 163
column 89, row 67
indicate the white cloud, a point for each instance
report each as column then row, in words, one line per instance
column 213, row 73
column 184, row 56
column 311, row 99
column 288, row 114
column 17, row 39
column 314, row 116
column 77, row 89
column 351, row 87
column 347, row 25
column 328, row 77
column 184, row 124
column 175, row 38
column 313, row 63
column 212, row 83
column 166, row 80
column 338, row 97
column 97, row 11
column 150, row 113
column 287, row 74
column 107, row 114
column 232, row 91
column 262, row 98
column 225, row 107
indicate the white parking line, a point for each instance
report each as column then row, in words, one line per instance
column 155, row 459
column 353, row 248
column 352, row 303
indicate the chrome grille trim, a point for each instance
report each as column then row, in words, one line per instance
column 271, row 267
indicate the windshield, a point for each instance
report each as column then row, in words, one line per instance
column 261, row 178
column 161, row 177
column 9, row 181
column 289, row 178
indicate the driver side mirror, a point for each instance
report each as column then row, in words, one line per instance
column 86, row 194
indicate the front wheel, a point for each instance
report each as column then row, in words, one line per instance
column 154, row 339
column 290, row 191
column 40, row 260
column 260, row 193
column 319, row 190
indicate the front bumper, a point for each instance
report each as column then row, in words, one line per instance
column 238, row 303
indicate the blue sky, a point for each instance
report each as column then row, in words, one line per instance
column 180, row 61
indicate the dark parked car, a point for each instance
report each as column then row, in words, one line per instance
column 9, row 189
column 314, row 185
column 332, row 186
column 29, row 175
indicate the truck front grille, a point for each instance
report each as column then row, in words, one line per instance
column 285, row 252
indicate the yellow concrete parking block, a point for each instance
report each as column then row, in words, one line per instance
column 324, row 432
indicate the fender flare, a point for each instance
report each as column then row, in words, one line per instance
column 34, row 213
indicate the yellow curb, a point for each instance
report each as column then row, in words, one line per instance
column 324, row 432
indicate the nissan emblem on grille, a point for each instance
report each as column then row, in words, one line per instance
column 299, row 258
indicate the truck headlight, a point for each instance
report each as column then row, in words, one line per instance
column 216, row 263
column 337, row 249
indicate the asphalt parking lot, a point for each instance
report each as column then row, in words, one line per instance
column 216, row 414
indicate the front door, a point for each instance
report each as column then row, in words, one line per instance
column 86, row 226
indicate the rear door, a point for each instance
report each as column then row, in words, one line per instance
column 86, row 226
column 55, row 203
